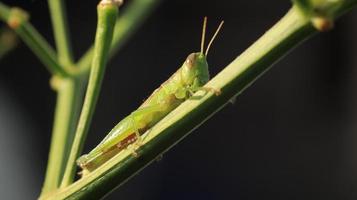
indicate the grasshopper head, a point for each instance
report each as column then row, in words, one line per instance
column 195, row 70
column 195, row 73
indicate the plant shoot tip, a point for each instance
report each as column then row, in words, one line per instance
column 112, row 2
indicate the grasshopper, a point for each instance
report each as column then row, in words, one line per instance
column 189, row 78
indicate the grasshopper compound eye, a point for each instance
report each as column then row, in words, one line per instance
column 190, row 60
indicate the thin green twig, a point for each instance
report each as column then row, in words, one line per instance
column 61, row 32
column 69, row 96
column 17, row 20
column 131, row 18
column 107, row 14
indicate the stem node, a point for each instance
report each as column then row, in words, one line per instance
column 17, row 17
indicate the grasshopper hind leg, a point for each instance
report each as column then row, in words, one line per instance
column 134, row 141
column 135, row 117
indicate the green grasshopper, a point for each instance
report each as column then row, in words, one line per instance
column 188, row 79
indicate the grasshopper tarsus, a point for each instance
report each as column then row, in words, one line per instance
column 135, row 154
column 216, row 92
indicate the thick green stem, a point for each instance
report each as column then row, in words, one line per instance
column 287, row 33
column 66, row 115
column 291, row 30
column 126, row 24
column 17, row 20
column 61, row 32
column 107, row 14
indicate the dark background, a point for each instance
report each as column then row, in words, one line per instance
column 291, row 135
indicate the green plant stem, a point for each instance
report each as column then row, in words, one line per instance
column 234, row 78
column 107, row 14
column 61, row 32
column 133, row 16
column 69, row 98
column 69, row 93
column 33, row 39
column 291, row 30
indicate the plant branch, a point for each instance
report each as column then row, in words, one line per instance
column 17, row 20
column 69, row 96
column 291, row 30
column 126, row 24
column 61, row 32
column 107, row 14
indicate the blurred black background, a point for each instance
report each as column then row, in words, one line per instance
column 291, row 135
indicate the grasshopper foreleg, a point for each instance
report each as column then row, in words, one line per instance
column 217, row 92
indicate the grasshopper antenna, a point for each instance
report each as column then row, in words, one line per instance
column 203, row 34
column 213, row 37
